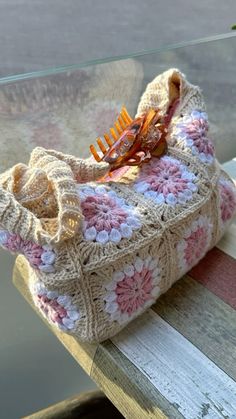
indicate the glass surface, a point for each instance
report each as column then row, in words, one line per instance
column 66, row 109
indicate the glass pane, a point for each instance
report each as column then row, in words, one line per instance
column 67, row 111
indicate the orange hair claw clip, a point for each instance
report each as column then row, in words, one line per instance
column 133, row 141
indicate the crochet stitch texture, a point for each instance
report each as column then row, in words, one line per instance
column 101, row 252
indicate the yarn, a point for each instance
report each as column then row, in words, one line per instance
column 102, row 249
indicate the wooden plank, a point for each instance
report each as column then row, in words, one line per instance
column 204, row 319
column 217, row 272
column 131, row 391
column 178, row 370
column 82, row 352
column 228, row 242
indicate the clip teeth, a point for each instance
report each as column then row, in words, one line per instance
column 118, row 128
column 108, row 140
column 114, row 134
column 94, row 153
column 125, row 115
column 123, row 120
column 101, row 145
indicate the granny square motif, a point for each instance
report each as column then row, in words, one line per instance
column 101, row 249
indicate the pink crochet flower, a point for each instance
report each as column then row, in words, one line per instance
column 133, row 289
column 192, row 132
column 166, row 180
column 58, row 309
column 39, row 257
column 195, row 243
column 106, row 216
column 102, row 212
column 227, row 200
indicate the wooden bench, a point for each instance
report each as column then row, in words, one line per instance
column 179, row 358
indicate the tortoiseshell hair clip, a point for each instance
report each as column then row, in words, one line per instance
column 134, row 141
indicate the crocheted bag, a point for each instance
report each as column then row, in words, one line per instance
column 101, row 253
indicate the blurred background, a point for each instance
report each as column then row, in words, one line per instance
column 35, row 370
column 40, row 34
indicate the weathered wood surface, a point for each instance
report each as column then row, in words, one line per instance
column 217, row 272
column 132, row 392
column 177, row 369
column 90, row 405
column 178, row 359
column 204, row 319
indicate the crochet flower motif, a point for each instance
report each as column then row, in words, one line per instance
column 195, row 243
column 192, row 132
column 39, row 257
column 227, row 200
column 58, row 309
column 133, row 289
column 107, row 218
column 166, row 180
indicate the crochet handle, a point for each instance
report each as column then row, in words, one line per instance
column 40, row 201
column 168, row 87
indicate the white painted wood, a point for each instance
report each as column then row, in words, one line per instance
column 230, row 168
column 180, row 371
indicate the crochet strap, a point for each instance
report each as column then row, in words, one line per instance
column 168, row 87
column 40, row 201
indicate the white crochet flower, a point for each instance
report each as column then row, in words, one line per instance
column 166, row 181
column 39, row 257
column 107, row 217
column 132, row 289
column 57, row 309
column 192, row 132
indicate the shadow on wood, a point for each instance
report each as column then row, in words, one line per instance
column 90, row 405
